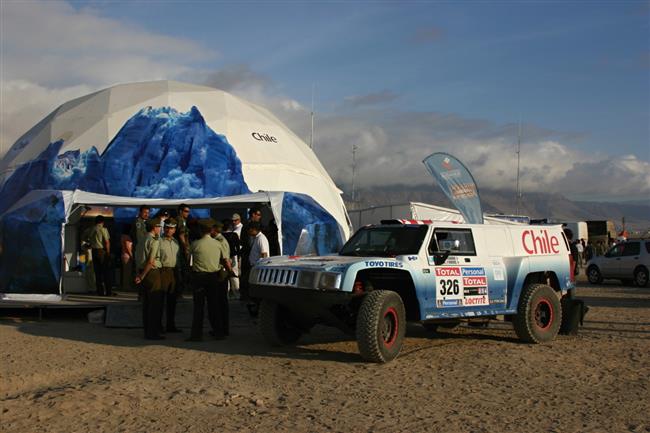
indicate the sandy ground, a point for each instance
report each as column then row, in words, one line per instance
column 65, row 375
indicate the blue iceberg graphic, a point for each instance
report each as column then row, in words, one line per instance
column 30, row 258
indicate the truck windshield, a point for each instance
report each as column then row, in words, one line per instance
column 385, row 241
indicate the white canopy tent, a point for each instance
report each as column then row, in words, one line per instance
column 75, row 201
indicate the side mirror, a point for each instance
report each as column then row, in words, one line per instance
column 441, row 257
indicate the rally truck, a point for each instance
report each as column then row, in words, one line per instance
column 434, row 273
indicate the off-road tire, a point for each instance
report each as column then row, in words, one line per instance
column 593, row 275
column 381, row 326
column 539, row 314
column 641, row 276
column 275, row 324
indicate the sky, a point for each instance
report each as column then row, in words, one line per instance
column 399, row 80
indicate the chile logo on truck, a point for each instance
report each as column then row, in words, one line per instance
column 459, row 286
column 539, row 242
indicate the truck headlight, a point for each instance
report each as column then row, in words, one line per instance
column 329, row 281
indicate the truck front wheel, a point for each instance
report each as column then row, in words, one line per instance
column 539, row 314
column 275, row 324
column 381, row 326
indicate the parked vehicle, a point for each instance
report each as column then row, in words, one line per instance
column 434, row 273
column 627, row 261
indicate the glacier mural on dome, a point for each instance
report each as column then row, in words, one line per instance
column 158, row 153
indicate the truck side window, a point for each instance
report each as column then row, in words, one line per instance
column 459, row 241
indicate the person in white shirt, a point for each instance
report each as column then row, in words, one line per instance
column 259, row 243
column 259, row 249
column 236, row 224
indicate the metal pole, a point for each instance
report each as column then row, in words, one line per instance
column 518, row 197
column 311, row 137
column 354, row 169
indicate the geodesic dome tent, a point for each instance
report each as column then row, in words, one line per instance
column 157, row 140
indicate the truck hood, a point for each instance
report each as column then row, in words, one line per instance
column 328, row 263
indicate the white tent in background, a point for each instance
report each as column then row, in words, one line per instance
column 415, row 211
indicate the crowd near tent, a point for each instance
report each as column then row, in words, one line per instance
column 160, row 143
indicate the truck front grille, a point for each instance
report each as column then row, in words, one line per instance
column 278, row 277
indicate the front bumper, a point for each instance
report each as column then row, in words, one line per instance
column 332, row 307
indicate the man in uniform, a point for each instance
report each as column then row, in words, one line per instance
column 224, row 274
column 169, row 255
column 231, row 235
column 207, row 258
column 99, row 241
column 140, row 225
column 149, row 278
column 138, row 236
column 183, row 237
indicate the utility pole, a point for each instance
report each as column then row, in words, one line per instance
column 311, row 137
column 354, row 170
column 518, row 197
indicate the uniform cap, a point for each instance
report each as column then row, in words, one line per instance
column 217, row 224
column 156, row 222
column 236, row 216
column 171, row 222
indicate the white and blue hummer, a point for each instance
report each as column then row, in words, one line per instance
column 434, row 273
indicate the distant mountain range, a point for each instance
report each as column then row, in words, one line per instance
column 534, row 204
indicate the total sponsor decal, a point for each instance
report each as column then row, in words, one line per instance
column 383, row 264
column 474, row 281
column 447, row 271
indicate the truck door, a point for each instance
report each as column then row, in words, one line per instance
column 461, row 282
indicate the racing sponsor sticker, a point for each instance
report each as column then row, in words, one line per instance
column 383, row 264
column 458, row 286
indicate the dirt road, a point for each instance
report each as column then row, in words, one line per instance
column 65, row 375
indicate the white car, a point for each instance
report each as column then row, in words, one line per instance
column 627, row 261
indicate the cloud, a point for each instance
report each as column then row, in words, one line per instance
column 428, row 34
column 52, row 52
column 235, row 77
column 392, row 143
column 383, row 97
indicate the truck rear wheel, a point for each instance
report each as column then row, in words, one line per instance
column 539, row 314
column 275, row 324
column 381, row 326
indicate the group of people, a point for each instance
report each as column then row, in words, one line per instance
column 582, row 251
column 164, row 256
column 211, row 258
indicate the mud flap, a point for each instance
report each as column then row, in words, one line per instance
column 573, row 315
